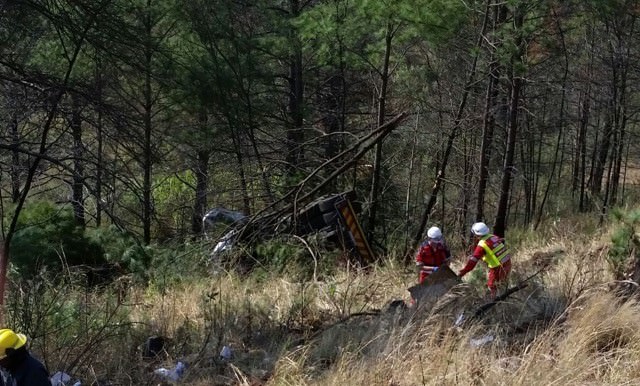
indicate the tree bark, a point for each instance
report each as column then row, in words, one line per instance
column 561, row 124
column 295, row 135
column 201, row 172
column 514, row 100
column 237, row 144
column 377, row 163
column 99, row 143
column 16, row 168
column 77, row 184
column 147, row 150
column 489, row 121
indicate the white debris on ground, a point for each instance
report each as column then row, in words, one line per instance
column 172, row 375
column 481, row 341
column 61, row 378
column 226, row 353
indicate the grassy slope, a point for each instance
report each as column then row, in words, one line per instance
column 565, row 328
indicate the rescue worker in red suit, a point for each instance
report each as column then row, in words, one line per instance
column 493, row 251
column 433, row 254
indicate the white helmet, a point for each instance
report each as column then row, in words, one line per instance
column 480, row 229
column 434, row 233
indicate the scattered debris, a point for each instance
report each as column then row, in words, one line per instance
column 172, row 375
column 226, row 353
column 60, row 379
column 481, row 341
column 222, row 215
column 459, row 320
column 434, row 286
column 225, row 243
column 153, row 347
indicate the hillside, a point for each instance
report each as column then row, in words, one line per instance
column 237, row 188
column 335, row 327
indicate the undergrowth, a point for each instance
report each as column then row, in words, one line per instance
column 307, row 322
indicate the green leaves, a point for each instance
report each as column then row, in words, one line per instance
column 47, row 235
column 357, row 29
column 625, row 241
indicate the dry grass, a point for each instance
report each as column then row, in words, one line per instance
column 565, row 328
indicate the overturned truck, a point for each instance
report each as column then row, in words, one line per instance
column 332, row 217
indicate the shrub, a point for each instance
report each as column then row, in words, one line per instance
column 625, row 241
column 47, row 235
column 122, row 249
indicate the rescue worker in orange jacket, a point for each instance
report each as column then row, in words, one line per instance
column 493, row 251
column 433, row 254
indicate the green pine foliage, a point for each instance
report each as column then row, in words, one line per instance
column 625, row 241
column 122, row 249
column 47, row 236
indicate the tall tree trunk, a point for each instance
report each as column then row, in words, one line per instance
column 514, row 99
column 237, row 145
column 583, row 125
column 77, row 184
column 333, row 118
column 147, row 155
column 99, row 143
column 377, row 163
column 295, row 135
column 560, row 125
column 489, row 121
column 508, row 169
column 621, row 62
column 16, row 168
column 202, row 183
column 617, row 168
column 468, row 143
column 527, row 159
column 412, row 162
column 602, row 152
column 580, row 144
column 607, row 190
column 264, row 175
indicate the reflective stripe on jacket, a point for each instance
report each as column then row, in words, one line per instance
column 495, row 255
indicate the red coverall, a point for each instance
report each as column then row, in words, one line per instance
column 432, row 254
column 503, row 259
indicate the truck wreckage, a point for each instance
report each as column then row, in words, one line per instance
column 333, row 217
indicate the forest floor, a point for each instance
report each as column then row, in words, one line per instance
column 567, row 326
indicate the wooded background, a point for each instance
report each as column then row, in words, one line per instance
column 144, row 114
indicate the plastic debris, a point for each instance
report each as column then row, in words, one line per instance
column 225, row 243
column 172, row 375
column 226, row 353
column 477, row 342
column 60, row 379
column 459, row 320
